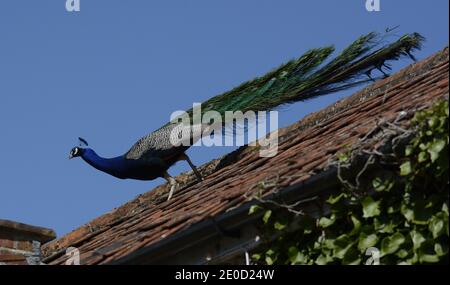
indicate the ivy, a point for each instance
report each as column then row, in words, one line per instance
column 404, row 219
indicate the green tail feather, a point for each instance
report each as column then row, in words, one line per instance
column 309, row 76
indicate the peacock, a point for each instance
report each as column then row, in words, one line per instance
column 309, row 76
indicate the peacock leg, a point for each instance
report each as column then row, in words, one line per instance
column 172, row 182
column 194, row 168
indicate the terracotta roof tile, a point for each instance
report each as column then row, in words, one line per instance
column 305, row 149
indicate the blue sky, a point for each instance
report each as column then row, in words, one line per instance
column 117, row 69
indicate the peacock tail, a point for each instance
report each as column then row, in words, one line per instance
column 309, row 76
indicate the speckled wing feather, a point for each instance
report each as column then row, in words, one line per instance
column 159, row 143
column 155, row 144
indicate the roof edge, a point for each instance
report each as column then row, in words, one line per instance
column 40, row 234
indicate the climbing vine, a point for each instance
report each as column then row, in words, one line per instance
column 401, row 214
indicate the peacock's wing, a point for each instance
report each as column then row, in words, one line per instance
column 158, row 144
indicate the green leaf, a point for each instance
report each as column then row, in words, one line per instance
column 256, row 256
column 334, row 199
column 423, row 156
column 328, row 243
column 371, row 208
column 441, row 249
column 253, row 209
column 325, row 222
column 387, row 224
column 393, row 208
column 377, row 184
column 323, row 260
column 356, row 225
column 270, row 256
column 296, row 257
column 423, row 146
column 417, row 239
column 392, row 243
column 402, row 253
column 407, row 212
column 413, row 260
column 409, row 150
column 352, row 257
column 343, row 157
column 341, row 245
column 445, row 209
column 428, row 258
column 382, row 185
column 436, row 226
column 270, row 252
column 367, row 240
column 266, row 216
column 405, row 168
column 436, row 147
column 279, row 226
column 269, row 260
column 432, row 122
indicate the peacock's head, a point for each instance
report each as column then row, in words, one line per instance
column 78, row 150
column 75, row 152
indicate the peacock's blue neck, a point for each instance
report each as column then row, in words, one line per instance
column 116, row 166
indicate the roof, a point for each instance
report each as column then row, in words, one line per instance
column 150, row 225
column 28, row 232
